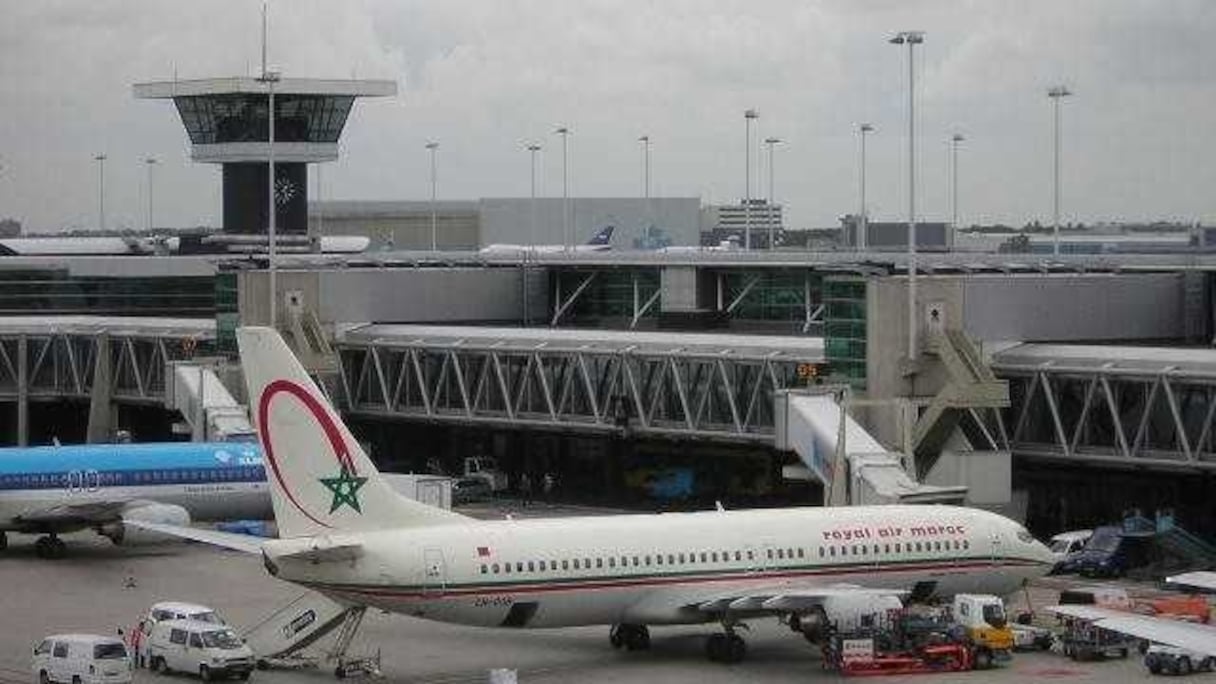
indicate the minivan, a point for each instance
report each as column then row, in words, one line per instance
column 209, row 650
column 81, row 659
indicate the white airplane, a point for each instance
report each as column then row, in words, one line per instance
column 600, row 242
column 730, row 244
column 347, row 534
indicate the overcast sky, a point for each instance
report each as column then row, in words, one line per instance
column 484, row 76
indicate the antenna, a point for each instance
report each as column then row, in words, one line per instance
column 263, row 37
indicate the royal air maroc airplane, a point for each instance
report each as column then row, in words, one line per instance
column 347, row 534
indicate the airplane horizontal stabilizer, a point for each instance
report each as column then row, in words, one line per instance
column 228, row 540
column 325, row 554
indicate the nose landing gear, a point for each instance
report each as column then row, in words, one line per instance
column 630, row 637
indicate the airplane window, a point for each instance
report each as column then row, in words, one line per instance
column 506, row 568
column 966, row 544
column 647, row 561
column 821, row 552
column 586, row 563
column 800, row 550
column 611, row 559
column 886, row 548
column 937, row 546
column 658, row 559
column 531, row 564
column 831, row 550
column 864, row 549
column 780, row 553
column 714, row 556
column 519, row 566
column 681, row 555
column 671, row 559
column 635, row 561
column 542, row 566
column 599, row 562
column 565, row 565
column 704, row 556
column 918, row 547
column 484, row 569
column 789, row 553
column 495, row 568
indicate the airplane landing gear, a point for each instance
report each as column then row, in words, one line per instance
column 630, row 637
column 50, row 547
column 3, row 540
column 727, row 647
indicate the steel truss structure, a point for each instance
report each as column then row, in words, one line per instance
column 58, row 360
column 572, row 382
column 1143, row 407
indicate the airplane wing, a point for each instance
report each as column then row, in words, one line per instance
column 785, row 598
column 227, row 540
column 1203, row 580
column 74, row 516
column 1189, row 635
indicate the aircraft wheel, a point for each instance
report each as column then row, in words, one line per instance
column 1184, row 665
column 715, row 647
column 736, row 649
column 637, row 637
column 3, row 540
column 204, row 673
column 615, row 638
column 983, row 659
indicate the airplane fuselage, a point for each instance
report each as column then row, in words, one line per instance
column 655, row 569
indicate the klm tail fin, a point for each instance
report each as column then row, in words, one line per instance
column 604, row 237
column 320, row 480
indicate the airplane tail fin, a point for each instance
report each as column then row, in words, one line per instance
column 604, row 237
column 320, row 479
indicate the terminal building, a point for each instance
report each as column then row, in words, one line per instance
column 1058, row 390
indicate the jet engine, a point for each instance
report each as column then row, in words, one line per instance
column 843, row 612
column 129, row 535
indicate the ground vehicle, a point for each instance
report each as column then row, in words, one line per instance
column 1104, row 555
column 82, row 659
column 486, row 468
column 982, row 618
column 468, row 489
column 1030, row 638
column 1066, row 545
column 169, row 610
column 205, row 648
column 1084, row 640
column 1174, row 660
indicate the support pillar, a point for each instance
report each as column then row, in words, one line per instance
column 101, row 405
column 23, row 392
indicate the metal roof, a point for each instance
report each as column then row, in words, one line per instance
column 1086, row 358
column 249, row 84
column 809, row 349
column 133, row 326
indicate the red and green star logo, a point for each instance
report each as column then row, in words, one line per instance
column 345, row 488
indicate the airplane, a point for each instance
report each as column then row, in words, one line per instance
column 731, row 244
column 346, row 534
column 57, row 489
column 600, row 242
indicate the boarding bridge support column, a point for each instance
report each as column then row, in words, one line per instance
column 23, row 392
column 101, row 404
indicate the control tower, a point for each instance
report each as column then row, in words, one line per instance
column 226, row 119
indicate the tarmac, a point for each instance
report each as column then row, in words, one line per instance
column 99, row 588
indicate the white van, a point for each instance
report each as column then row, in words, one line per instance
column 203, row 648
column 82, row 659
column 169, row 610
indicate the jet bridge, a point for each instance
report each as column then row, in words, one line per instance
column 209, row 410
column 853, row 467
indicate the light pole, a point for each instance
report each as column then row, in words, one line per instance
column 101, row 191
column 771, row 227
column 533, row 148
column 567, row 240
column 645, row 140
column 1056, row 93
column 954, row 142
column 433, row 147
column 911, row 39
column 863, row 219
column 270, row 78
column 150, row 162
column 748, row 117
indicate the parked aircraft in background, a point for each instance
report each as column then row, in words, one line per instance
column 600, row 242
column 731, row 244
column 57, row 489
column 347, row 534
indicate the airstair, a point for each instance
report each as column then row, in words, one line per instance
column 854, row 468
column 279, row 639
column 208, row 408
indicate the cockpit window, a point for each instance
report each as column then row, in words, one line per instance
column 1024, row 536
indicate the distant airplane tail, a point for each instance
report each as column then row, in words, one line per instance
column 604, row 237
column 320, row 479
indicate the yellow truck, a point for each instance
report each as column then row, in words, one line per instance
column 982, row 619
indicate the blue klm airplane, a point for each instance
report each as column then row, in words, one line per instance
column 58, row 489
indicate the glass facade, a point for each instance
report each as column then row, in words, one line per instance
column 779, row 295
column 611, row 293
column 241, row 117
column 844, row 334
column 54, row 291
column 227, row 312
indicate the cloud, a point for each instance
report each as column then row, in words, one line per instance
column 483, row 76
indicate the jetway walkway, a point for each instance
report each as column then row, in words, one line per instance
column 208, row 408
column 1147, row 407
column 854, row 468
